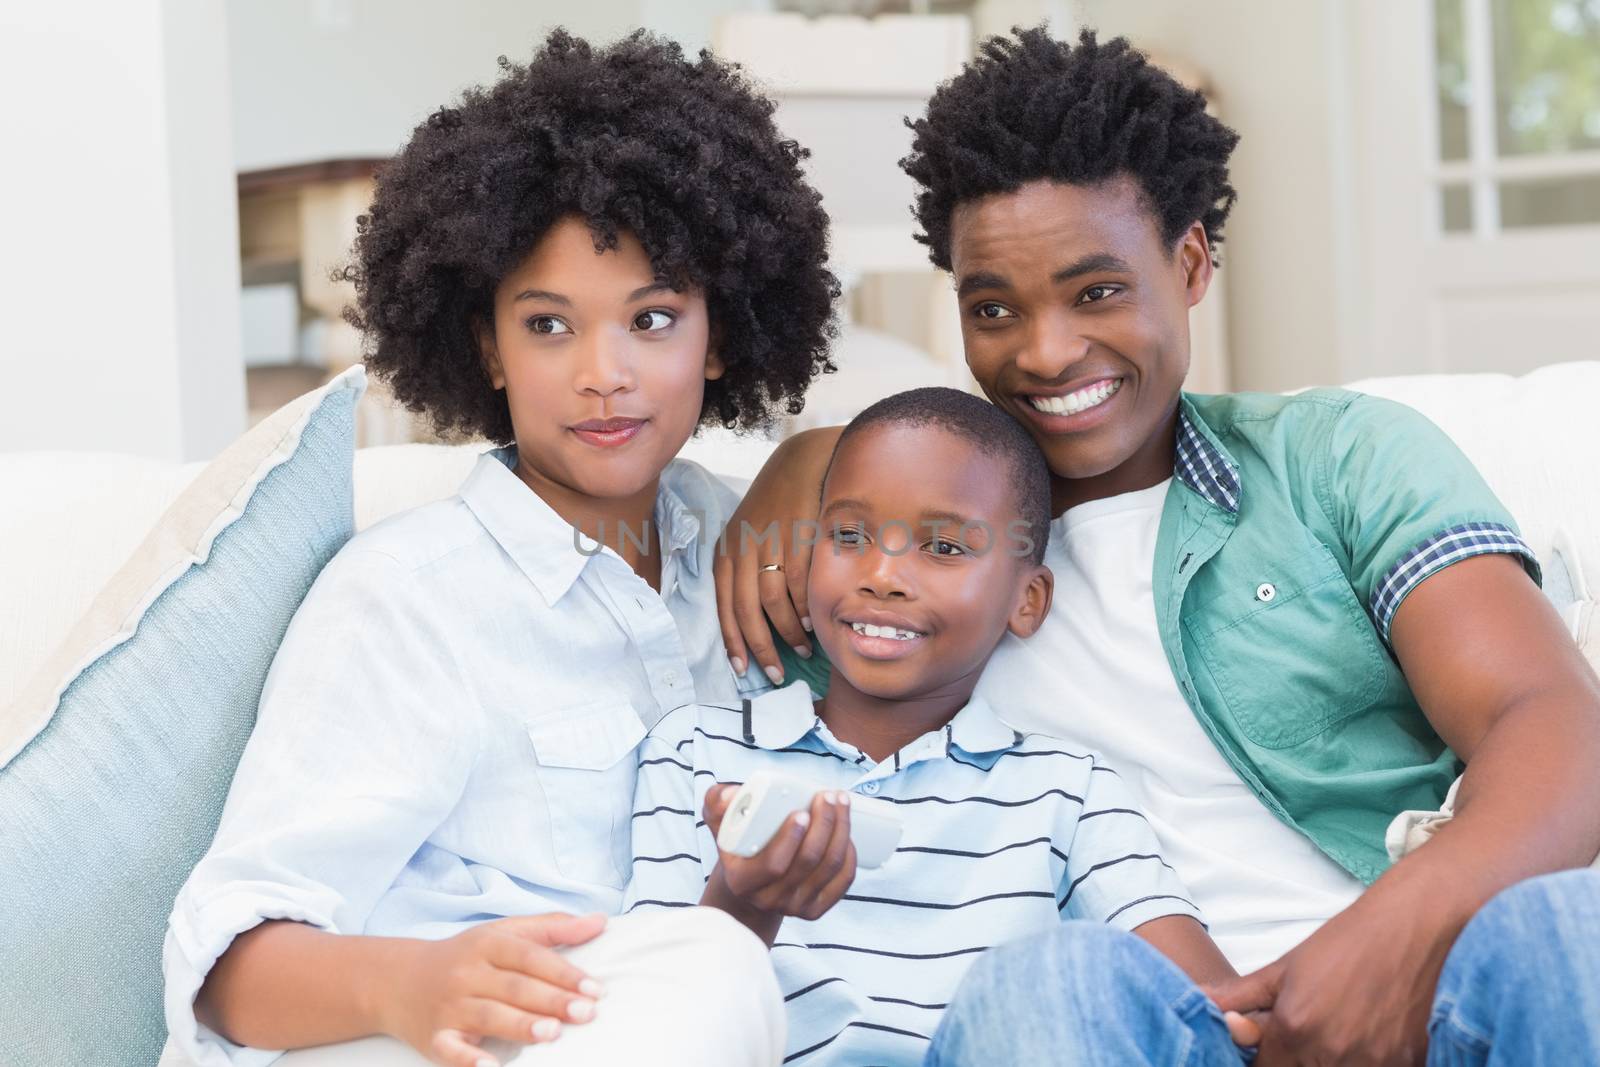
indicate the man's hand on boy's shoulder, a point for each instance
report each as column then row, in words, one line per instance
column 803, row 871
column 502, row 979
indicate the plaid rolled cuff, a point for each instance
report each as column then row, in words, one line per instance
column 1438, row 552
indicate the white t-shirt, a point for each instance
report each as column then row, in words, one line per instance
column 1095, row 673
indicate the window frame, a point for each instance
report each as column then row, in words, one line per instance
column 1484, row 168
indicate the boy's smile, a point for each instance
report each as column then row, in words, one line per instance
column 884, row 635
column 1075, row 322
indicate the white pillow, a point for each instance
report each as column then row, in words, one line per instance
column 68, row 521
column 1536, row 441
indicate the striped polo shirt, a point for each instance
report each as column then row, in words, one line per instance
column 1005, row 834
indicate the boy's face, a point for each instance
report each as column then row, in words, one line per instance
column 893, row 553
column 603, row 366
column 1074, row 316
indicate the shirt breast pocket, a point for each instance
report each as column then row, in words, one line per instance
column 586, row 767
column 1291, row 649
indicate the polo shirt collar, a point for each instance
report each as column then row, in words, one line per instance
column 978, row 731
column 543, row 545
column 779, row 718
column 1202, row 464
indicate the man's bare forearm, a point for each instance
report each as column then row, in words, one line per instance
column 287, row 985
column 1501, row 681
column 1529, row 804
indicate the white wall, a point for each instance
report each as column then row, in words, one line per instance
column 330, row 79
column 119, row 278
column 1281, row 77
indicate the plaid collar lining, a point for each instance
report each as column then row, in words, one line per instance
column 1202, row 467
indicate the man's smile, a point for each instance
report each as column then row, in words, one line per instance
column 1082, row 399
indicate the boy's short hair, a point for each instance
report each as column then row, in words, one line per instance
column 1030, row 107
column 684, row 155
column 990, row 431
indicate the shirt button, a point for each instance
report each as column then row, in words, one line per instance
column 870, row 788
column 1265, row 592
column 671, row 677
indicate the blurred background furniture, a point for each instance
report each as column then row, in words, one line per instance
column 844, row 85
column 296, row 227
column 1419, row 183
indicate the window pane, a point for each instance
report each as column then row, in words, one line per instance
column 1456, row 201
column 1450, row 69
column 1550, row 202
column 1547, row 75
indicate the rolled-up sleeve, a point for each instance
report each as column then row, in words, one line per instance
column 364, row 741
column 1407, row 503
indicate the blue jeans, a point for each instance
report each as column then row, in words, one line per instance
column 1521, row 986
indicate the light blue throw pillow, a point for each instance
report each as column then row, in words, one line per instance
column 114, row 791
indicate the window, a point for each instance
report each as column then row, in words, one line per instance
column 1518, row 114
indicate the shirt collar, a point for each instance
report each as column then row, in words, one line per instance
column 543, row 545
column 781, row 717
column 977, row 730
column 680, row 524
column 1202, row 463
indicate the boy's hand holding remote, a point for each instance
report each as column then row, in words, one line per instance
column 803, row 871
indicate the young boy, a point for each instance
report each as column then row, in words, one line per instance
column 935, row 511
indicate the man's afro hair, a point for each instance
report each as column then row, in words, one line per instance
column 630, row 137
column 1029, row 107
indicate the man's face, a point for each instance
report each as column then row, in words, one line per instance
column 1074, row 316
column 920, row 570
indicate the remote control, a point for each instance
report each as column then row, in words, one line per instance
column 762, row 803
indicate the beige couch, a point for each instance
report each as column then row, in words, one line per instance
column 69, row 520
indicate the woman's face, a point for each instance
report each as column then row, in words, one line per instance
column 604, row 365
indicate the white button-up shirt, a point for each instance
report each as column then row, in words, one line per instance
column 447, row 733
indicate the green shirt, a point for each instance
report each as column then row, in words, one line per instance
column 1293, row 530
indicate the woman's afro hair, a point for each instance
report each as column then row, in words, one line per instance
column 630, row 137
column 1029, row 107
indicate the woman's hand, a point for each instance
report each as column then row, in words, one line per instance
column 803, row 871
column 764, row 554
column 503, row 979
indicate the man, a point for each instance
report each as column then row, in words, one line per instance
column 1288, row 619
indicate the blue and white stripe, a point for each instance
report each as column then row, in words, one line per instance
column 1005, row 835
